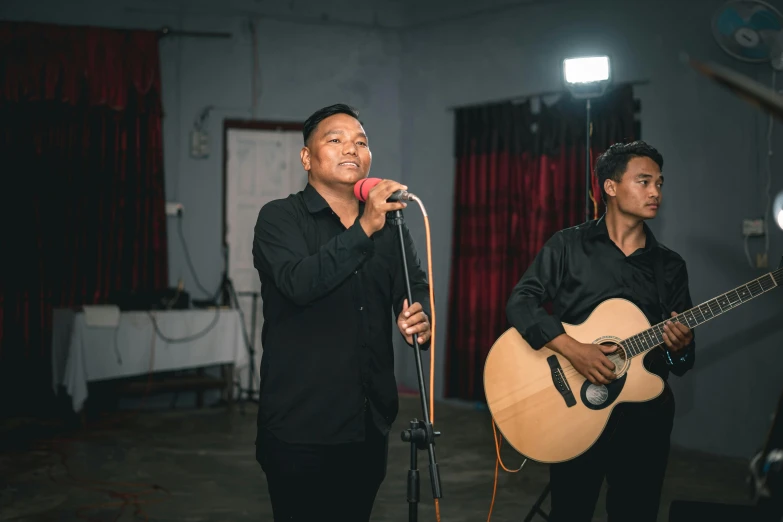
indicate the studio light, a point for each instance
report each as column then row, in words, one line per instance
column 777, row 210
column 585, row 70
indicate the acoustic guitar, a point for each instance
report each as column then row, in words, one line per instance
column 548, row 411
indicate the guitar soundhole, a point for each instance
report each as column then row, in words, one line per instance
column 598, row 396
column 619, row 359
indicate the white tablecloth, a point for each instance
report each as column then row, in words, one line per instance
column 82, row 353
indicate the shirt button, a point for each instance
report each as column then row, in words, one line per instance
column 361, row 308
column 355, row 271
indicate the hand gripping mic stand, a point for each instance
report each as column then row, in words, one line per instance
column 420, row 434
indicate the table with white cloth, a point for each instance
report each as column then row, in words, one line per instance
column 87, row 350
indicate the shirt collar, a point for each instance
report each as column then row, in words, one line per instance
column 315, row 202
column 598, row 229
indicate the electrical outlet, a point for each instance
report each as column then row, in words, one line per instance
column 752, row 227
column 174, row 209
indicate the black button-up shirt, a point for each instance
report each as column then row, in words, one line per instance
column 328, row 295
column 579, row 268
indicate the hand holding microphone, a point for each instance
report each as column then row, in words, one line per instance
column 376, row 194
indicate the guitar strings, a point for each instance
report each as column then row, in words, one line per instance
column 638, row 344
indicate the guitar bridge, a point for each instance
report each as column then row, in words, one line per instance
column 560, row 382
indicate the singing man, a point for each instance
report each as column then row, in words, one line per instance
column 331, row 275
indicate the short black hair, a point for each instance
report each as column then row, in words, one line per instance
column 613, row 163
column 321, row 114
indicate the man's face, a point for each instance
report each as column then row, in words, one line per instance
column 639, row 192
column 337, row 151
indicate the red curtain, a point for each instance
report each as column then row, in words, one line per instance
column 520, row 178
column 84, row 206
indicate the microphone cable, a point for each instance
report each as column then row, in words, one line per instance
column 498, row 438
column 432, row 323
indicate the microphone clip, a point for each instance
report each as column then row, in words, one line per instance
column 400, row 195
column 395, row 218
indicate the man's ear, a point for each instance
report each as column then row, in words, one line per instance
column 304, row 155
column 610, row 187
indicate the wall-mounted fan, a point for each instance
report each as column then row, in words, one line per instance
column 751, row 31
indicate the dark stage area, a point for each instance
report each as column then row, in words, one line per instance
column 199, row 465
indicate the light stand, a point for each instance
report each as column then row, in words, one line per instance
column 587, row 78
column 230, row 295
column 252, row 394
column 420, row 434
column 588, row 178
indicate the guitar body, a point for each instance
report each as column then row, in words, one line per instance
column 543, row 407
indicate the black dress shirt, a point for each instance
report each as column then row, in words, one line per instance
column 579, row 268
column 328, row 295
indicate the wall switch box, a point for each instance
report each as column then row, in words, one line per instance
column 174, row 209
column 199, row 144
column 752, row 227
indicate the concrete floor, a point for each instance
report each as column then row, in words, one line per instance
column 199, row 465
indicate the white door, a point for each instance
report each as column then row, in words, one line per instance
column 263, row 165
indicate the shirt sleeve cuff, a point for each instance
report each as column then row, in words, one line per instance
column 685, row 358
column 358, row 240
column 544, row 331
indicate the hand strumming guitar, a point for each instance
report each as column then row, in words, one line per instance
column 589, row 359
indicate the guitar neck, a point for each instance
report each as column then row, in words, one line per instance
column 645, row 341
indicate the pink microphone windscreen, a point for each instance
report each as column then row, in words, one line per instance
column 363, row 187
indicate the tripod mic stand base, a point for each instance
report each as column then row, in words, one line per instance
column 421, row 436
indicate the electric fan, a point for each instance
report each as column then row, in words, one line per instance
column 751, row 31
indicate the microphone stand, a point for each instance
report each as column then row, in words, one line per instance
column 420, row 433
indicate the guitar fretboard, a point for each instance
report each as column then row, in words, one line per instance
column 652, row 337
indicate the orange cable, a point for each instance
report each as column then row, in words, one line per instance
column 432, row 328
column 494, row 491
column 499, row 463
column 432, row 320
column 432, row 337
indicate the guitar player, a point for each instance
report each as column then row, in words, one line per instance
column 578, row 268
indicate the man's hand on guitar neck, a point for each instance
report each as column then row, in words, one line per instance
column 677, row 336
column 589, row 359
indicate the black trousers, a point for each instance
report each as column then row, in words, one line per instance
column 631, row 454
column 324, row 482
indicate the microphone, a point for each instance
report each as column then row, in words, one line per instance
column 363, row 187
